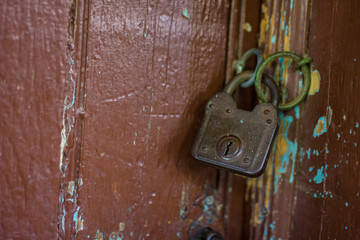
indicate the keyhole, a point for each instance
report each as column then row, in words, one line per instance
column 228, row 148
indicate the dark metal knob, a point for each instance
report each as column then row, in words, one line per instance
column 208, row 234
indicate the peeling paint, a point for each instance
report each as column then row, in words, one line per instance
column 184, row 201
column 121, row 226
column 247, row 27
column 71, row 187
column 99, row 235
column 259, row 214
column 68, row 103
column 325, row 194
column 80, row 182
column 323, row 123
column 264, row 24
column 285, row 151
column 320, row 176
column 185, row 13
column 315, row 82
column 79, row 223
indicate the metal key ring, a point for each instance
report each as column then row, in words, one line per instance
column 239, row 65
column 302, row 63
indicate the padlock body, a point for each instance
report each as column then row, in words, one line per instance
column 234, row 139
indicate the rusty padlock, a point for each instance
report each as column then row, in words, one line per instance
column 234, row 139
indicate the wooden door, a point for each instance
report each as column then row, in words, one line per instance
column 311, row 188
column 100, row 102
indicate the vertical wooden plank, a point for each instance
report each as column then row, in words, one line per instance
column 242, row 35
column 311, row 187
column 150, row 68
column 329, row 179
column 33, row 38
column 272, row 198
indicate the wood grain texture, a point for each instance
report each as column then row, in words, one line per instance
column 311, row 187
column 33, row 38
column 240, row 39
column 150, row 68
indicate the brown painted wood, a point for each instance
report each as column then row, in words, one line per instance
column 33, row 38
column 311, row 188
column 144, row 71
column 120, row 86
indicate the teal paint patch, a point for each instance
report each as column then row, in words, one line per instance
column 316, row 152
column 78, row 221
column 290, row 153
column 272, row 225
column 346, row 227
column 178, row 234
column 310, row 169
column 80, row 182
column 321, row 175
column 185, row 13
column 308, row 153
column 323, row 123
column 297, row 112
column 63, row 220
column 326, row 149
column 301, row 154
column 99, row 235
column 131, row 234
column 315, row 195
column 273, row 39
column 346, row 204
column 338, row 136
column 357, row 125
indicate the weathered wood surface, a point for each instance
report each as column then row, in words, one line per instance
column 120, row 86
column 33, row 38
column 311, row 189
column 150, row 68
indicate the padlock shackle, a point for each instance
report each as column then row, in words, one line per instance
column 245, row 76
column 273, row 87
column 236, row 81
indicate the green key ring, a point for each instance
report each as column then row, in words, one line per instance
column 302, row 63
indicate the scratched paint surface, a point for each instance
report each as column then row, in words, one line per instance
column 33, row 38
column 311, row 188
column 151, row 66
